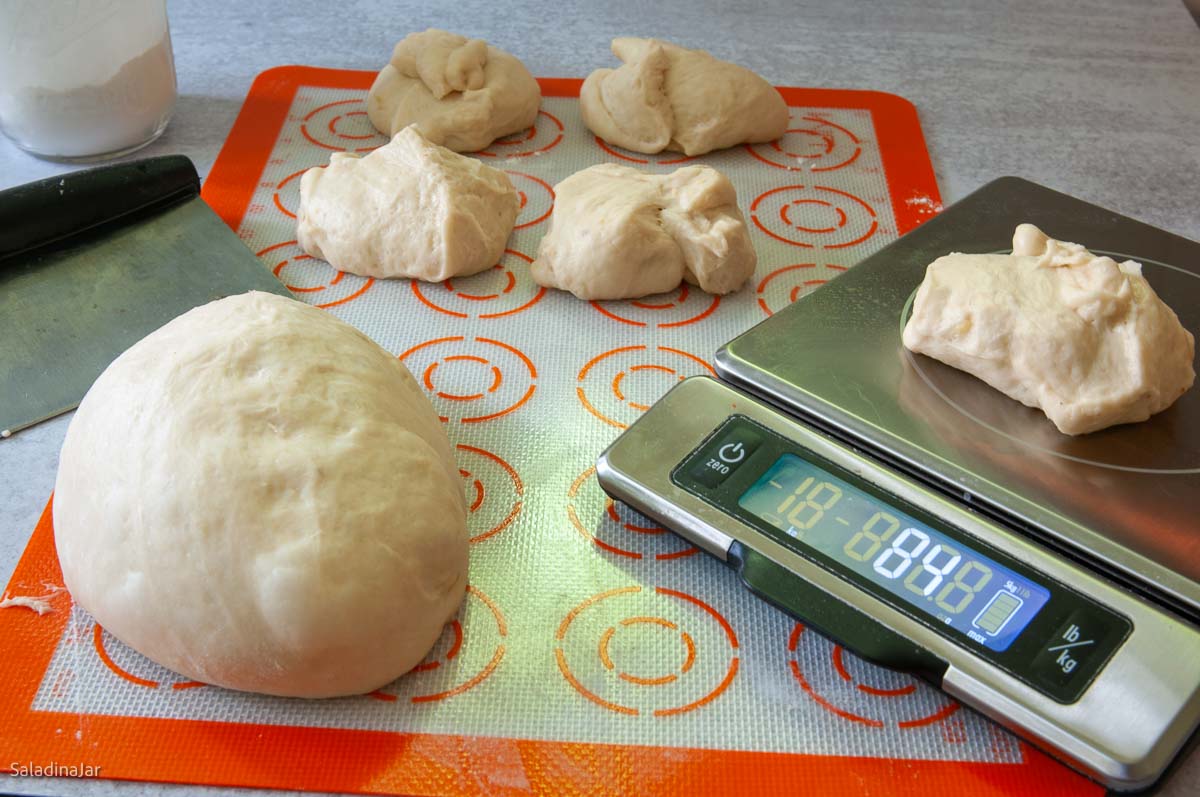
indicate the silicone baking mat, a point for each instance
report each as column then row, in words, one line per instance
column 595, row 652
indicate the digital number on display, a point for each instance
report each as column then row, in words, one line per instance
column 941, row 577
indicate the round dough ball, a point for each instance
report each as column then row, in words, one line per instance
column 258, row 496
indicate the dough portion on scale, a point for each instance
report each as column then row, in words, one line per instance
column 460, row 93
column 258, row 496
column 408, row 209
column 1079, row 336
column 667, row 97
column 617, row 233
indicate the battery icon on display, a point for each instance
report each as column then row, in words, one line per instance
column 999, row 610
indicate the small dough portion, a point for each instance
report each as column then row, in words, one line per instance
column 1080, row 336
column 667, row 97
column 257, row 496
column 461, row 93
column 408, row 209
column 617, row 233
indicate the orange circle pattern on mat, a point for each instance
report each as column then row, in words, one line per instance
column 125, row 663
column 787, row 284
column 472, row 379
column 495, row 493
column 312, row 280
column 838, row 686
column 546, row 134
column 811, row 144
column 287, row 194
column 617, row 529
column 618, row 385
column 341, row 126
column 467, row 653
column 503, row 290
column 536, row 198
column 656, row 651
column 684, row 306
column 814, row 216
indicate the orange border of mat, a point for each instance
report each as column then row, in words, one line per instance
column 325, row 759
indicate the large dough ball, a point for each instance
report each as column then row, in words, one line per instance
column 1082, row 337
column 461, row 93
column 408, row 209
column 668, row 97
column 617, row 233
column 258, row 496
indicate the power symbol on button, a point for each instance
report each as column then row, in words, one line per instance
column 732, row 453
column 728, row 449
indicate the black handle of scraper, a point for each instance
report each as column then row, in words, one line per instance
column 41, row 213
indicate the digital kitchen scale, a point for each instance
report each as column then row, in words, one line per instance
column 934, row 525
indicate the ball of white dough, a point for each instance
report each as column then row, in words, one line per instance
column 669, row 97
column 618, row 233
column 460, row 92
column 258, row 496
column 408, row 209
column 1078, row 335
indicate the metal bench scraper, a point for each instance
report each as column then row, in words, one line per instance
column 91, row 262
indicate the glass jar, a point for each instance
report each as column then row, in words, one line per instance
column 84, row 80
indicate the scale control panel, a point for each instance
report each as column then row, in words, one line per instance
column 1034, row 627
column 915, row 580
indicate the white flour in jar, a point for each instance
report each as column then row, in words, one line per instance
column 85, row 78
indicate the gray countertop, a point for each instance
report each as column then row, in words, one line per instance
column 1096, row 98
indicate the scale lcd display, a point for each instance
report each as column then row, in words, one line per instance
column 926, row 569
